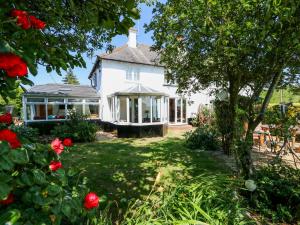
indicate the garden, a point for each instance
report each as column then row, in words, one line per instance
column 242, row 50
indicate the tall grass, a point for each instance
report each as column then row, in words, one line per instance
column 206, row 199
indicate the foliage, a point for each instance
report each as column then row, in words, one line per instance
column 70, row 78
column 36, row 191
column 282, row 119
column 15, row 100
column 288, row 95
column 278, row 194
column 77, row 128
column 206, row 199
column 203, row 138
column 72, row 28
column 233, row 46
column 204, row 116
column 29, row 133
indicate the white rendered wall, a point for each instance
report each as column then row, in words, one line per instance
column 113, row 79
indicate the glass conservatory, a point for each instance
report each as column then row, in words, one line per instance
column 55, row 102
column 144, row 106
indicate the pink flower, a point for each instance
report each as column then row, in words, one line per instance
column 6, row 118
column 55, row 165
column 57, row 146
column 91, row 200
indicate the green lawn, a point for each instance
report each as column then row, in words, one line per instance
column 127, row 168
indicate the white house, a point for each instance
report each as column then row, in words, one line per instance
column 133, row 88
column 128, row 89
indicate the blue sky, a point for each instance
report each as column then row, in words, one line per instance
column 82, row 73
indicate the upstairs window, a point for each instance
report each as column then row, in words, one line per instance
column 132, row 74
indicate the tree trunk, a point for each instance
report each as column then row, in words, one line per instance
column 244, row 152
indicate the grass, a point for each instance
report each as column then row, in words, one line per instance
column 127, row 168
column 124, row 170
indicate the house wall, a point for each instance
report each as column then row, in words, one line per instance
column 111, row 78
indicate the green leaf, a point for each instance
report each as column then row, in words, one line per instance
column 10, row 217
column 54, row 189
column 66, row 209
column 39, row 176
column 5, row 163
column 26, row 179
column 19, row 156
column 4, row 190
column 4, row 177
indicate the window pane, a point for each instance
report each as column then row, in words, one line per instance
column 92, row 100
column 179, row 110
column 92, row 111
column 184, row 110
column 136, row 75
column 35, row 100
column 56, row 112
column 123, row 109
column 146, row 104
column 156, row 109
column 28, row 112
column 133, row 108
column 74, row 100
column 39, row 112
column 78, row 109
column 129, row 74
column 55, row 100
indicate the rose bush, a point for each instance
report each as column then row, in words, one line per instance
column 34, row 186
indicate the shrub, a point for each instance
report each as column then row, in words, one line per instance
column 35, row 189
column 278, row 193
column 203, row 138
column 78, row 128
column 29, row 133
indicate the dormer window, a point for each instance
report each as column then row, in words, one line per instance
column 132, row 74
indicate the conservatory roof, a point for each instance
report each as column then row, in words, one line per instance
column 140, row 89
column 65, row 90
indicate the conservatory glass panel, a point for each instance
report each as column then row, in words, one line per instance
column 35, row 100
column 134, row 110
column 156, row 109
column 146, row 109
column 123, row 109
column 78, row 109
column 179, row 110
column 92, row 111
column 39, row 112
column 56, row 111
column 74, row 100
column 28, row 112
column 60, row 100
column 184, row 110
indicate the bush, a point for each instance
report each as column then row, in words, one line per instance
column 78, row 128
column 278, row 193
column 29, row 133
column 35, row 189
column 203, row 138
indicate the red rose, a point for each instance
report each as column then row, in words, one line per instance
column 18, row 70
column 9, row 199
column 13, row 65
column 22, row 18
column 55, row 165
column 67, row 142
column 10, row 137
column 6, row 118
column 57, row 146
column 36, row 23
column 91, row 200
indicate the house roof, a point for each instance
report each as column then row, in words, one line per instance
column 65, row 90
column 142, row 54
column 140, row 89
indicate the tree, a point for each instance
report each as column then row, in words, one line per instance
column 70, row 78
column 240, row 46
column 73, row 27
